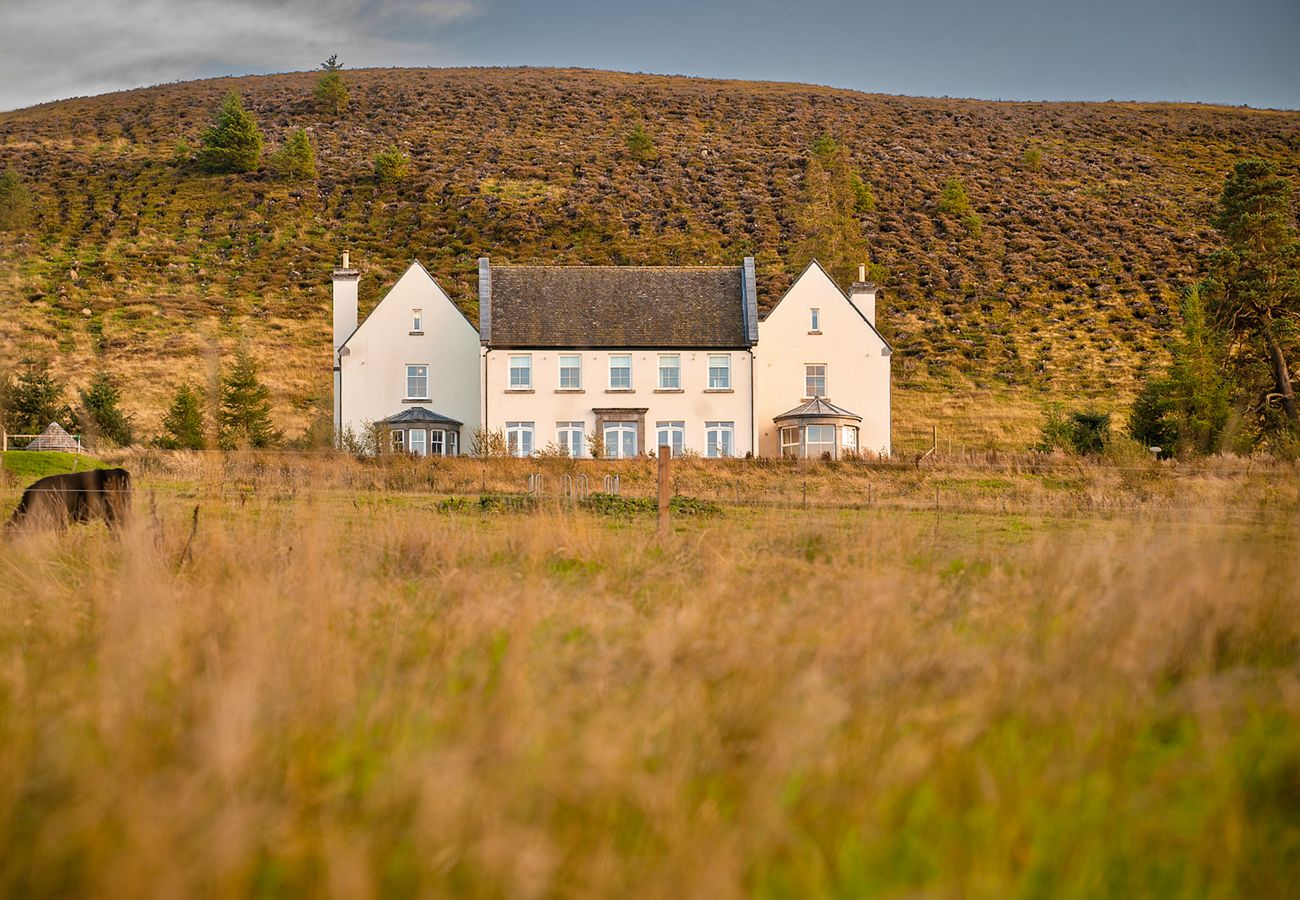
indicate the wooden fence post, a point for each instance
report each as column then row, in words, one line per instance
column 665, row 489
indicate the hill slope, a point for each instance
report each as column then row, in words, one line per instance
column 1067, row 290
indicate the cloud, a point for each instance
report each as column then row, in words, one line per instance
column 50, row 49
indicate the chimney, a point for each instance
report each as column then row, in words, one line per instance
column 484, row 300
column 345, row 301
column 862, row 294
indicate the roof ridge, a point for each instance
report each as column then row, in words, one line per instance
column 611, row 266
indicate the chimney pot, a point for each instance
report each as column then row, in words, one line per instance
column 862, row 271
column 345, row 259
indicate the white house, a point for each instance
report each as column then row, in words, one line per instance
column 617, row 360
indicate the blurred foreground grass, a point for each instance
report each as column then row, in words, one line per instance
column 339, row 694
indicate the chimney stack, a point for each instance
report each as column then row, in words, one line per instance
column 345, row 301
column 863, row 293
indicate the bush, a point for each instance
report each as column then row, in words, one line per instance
column 234, row 142
column 489, row 443
column 1032, row 159
column 639, row 144
column 1084, row 432
column 391, row 165
column 296, row 159
column 15, row 201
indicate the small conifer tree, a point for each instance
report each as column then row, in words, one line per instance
column 183, row 425
column 331, row 90
column 639, row 144
column 15, row 201
column 234, row 142
column 296, row 159
column 391, row 165
column 100, row 402
column 35, row 400
column 245, row 411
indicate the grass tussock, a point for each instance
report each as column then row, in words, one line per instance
column 326, row 693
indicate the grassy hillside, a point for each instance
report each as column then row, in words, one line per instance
column 150, row 271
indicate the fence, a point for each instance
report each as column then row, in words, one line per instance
column 18, row 443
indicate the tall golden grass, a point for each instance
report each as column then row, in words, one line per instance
column 344, row 692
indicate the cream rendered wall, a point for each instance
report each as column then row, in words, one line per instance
column 857, row 364
column 694, row 404
column 374, row 359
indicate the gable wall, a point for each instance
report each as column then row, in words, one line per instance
column 374, row 369
column 857, row 372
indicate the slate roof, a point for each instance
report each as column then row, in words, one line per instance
column 617, row 306
column 817, row 408
column 418, row 415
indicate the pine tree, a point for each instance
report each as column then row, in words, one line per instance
column 954, row 201
column 245, row 412
column 1254, row 287
column 36, row 400
column 183, row 425
column 234, row 142
column 331, row 91
column 826, row 221
column 296, row 159
column 100, row 401
column 15, row 201
column 640, row 145
column 391, row 165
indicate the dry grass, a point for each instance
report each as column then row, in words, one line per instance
column 341, row 691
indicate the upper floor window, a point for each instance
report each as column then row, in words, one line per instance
column 417, row 382
column 570, row 372
column 671, row 435
column 670, row 371
column 620, row 372
column 816, row 323
column 519, row 438
column 814, row 380
column 719, row 372
column 521, row 373
column 720, row 438
column 417, row 321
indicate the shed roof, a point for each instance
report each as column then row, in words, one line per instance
column 617, row 306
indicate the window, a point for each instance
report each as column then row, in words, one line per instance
column 719, row 438
column 452, row 440
column 620, row 440
column 519, row 438
column 670, row 372
column 790, row 442
column 820, row 441
column 417, row 382
column 569, row 435
column 620, row 372
column 672, row 434
column 417, row 321
column 437, row 444
column 416, row 441
column 849, row 438
column 814, row 381
column 570, row 373
column 816, row 320
column 398, row 438
column 521, row 373
column 720, row 373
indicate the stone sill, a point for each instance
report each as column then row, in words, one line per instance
column 620, row 390
column 416, row 333
column 570, row 391
column 670, row 390
column 417, row 400
column 520, row 391
column 814, row 332
column 719, row 390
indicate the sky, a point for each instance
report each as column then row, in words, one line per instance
column 1244, row 52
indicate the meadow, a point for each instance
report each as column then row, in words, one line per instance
column 986, row 675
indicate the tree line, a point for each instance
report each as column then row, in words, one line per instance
column 234, row 414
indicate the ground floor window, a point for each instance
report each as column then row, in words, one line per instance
column 719, row 439
column 570, row 436
column 397, row 440
column 417, row 442
column 819, row 441
column 437, row 446
column 849, row 439
column 620, row 440
column 672, row 434
column 519, row 438
column 790, row 442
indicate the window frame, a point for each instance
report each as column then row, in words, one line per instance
column 570, row 428
column 621, row 426
column 845, row 446
column 397, row 440
column 725, row 368
column 417, row 321
column 442, row 441
column 713, row 432
column 675, row 369
column 612, row 367
column 511, row 368
column 409, row 377
column 815, row 322
column 676, row 430
column 830, row 446
column 796, row 444
column 423, row 445
column 808, row 376
column 515, row 432
column 563, row 368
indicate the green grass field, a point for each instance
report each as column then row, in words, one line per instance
column 33, row 464
column 297, row 676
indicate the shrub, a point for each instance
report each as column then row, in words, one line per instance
column 1084, row 432
column 100, row 402
column 391, row 165
column 489, row 443
column 639, row 144
column 234, row 142
column 1032, row 158
column 15, row 201
column 296, row 159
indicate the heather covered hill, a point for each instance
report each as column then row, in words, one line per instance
column 1088, row 220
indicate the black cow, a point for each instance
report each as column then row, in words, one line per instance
column 56, row 500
